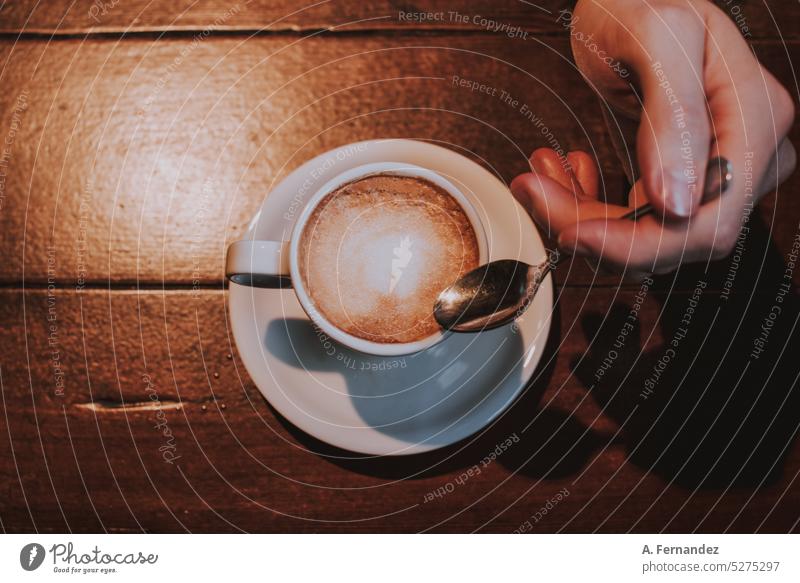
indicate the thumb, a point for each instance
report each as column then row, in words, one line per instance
column 674, row 135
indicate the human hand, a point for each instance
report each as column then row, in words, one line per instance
column 704, row 95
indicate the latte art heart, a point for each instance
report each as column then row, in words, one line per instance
column 376, row 252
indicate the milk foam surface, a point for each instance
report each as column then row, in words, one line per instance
column 376, row 253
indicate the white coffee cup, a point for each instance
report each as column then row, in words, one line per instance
column 274, row 264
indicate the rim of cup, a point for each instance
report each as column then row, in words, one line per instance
column 353, row 174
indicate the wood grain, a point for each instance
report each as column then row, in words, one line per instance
column 129, row 159
column 274, row 15
column 712, row 448
column 140, row 160
column 155, row 156
column 757, row 18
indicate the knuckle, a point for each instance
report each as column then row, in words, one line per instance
column 666, row 18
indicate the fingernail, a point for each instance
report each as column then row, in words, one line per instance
column 677, row 195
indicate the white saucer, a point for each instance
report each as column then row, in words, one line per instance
column 389, row 405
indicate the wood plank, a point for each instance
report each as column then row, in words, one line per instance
column 164, row 163
column 90, row 459
column 756, row 18
column 138, row 161
column 276, row 15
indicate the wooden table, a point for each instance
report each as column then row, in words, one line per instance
column 139, row 138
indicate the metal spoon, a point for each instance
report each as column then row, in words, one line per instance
column 500, row 291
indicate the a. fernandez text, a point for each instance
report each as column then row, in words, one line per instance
column 664, row 550
column 64, row 553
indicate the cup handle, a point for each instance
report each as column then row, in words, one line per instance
column 259, row 263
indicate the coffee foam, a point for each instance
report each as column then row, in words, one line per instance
column 376, row 253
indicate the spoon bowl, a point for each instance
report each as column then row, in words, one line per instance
column 492, row 293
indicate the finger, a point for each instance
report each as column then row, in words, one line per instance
column 554, row 207
column 547, row 162
column 585, row 171
column 637, row 196
column 547, row 201
column 650, row 244
column 736, row 97
column 673, row 136
column 641, row 246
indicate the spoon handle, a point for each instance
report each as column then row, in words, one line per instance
column 719, row 175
